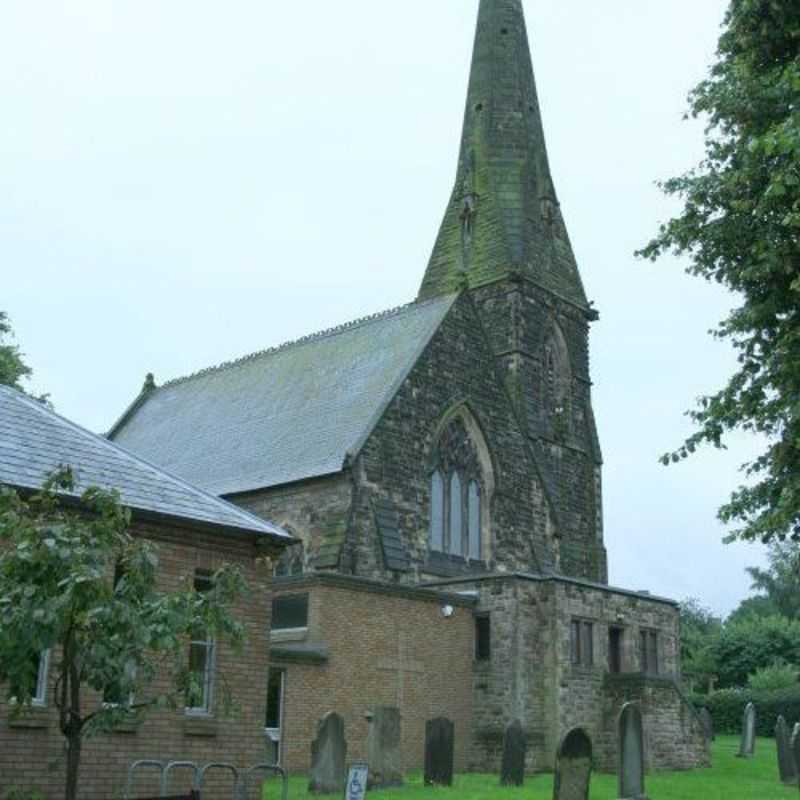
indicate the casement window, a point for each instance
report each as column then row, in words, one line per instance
column 37, row 693
column 648, row 651
column 289, row 612
column 276, row 688
column 483, row 638
column 582, row 643
column 114, row 694
column 200, row 695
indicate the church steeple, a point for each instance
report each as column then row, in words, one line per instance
column 503, row 218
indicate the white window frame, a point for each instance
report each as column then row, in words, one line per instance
column 39, row 699
column 275, row 735
column 207, row 684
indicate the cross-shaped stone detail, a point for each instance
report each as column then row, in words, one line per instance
column 401, row 665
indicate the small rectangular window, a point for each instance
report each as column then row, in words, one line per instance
column 575, row 642
column 648, row 649
column 199, row 696
column 615, row 637
column 289, row 611
column 483, row 638
column 37, row 675
column 582, row 643
column 275, row 691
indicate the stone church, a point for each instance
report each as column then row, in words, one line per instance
column 441, row 465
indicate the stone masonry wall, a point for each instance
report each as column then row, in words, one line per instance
column 513, row 684
column 519, row 319
column 386, row 646
column 531, row 677
column 456, row 370
column 314, row 511
column 32, row 749
column 673, row 735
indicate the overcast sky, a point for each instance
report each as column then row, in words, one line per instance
column 182, row 183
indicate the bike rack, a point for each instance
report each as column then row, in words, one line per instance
column 270, row 768
column 160, row 765
column 218, row 765
column 179, row 765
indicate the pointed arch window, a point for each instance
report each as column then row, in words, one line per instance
column 456, row 515
column 474, row 520
column 556, row 382
column 457, row 495
column 437, row 512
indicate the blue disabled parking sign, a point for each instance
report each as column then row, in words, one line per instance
column 357, row 776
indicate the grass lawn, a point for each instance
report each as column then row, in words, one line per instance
column 729, row 779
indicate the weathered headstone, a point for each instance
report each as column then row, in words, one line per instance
column 328, row 756
column 795, row 743
column 787, row 769
column 384, row 747
column 439, row 752
column 748, row 744
column 631, row 753
column 512, row 771
column 708, row 724
column 573, row 767
column 357, row 780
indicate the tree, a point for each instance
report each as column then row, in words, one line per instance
column 75, row 582
column 740, row 224
column 700, row 630
column 757, row 607
column 743, row 648
column 12, row 368
column 780, row 582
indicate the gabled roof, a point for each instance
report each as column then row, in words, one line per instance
column 35, row 441
column 282, row 415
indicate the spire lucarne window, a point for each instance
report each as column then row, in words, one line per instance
column 456, row 526
column 503, row 216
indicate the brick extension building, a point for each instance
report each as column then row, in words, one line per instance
column 441, row 466
column 195, row 534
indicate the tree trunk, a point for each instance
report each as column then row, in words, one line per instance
column 73, row 765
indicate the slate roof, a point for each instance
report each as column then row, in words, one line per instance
column 282, row 415
column 34, row 441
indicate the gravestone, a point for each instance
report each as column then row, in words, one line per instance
column 512, row 771
column 748, row 744
column 573, row 767
column 787, row 769
column 795, row 743
column 384, row 747
column 708, row 724
column 439, row 752
column 328, row 756
column 631, row 753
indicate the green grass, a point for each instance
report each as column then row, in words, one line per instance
column 730, row 778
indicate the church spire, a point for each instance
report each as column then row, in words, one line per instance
column 503, row 218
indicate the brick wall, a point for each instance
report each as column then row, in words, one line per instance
column 32, row 749
column 362, row 626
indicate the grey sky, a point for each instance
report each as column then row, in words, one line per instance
column 182, row 183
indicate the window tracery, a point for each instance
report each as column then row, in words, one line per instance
column 456, row 525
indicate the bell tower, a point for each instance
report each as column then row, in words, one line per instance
column 504, row 238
